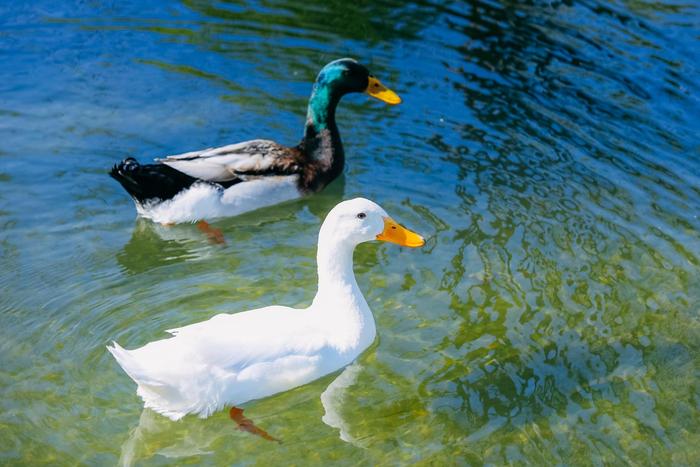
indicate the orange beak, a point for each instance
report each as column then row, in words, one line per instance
column 395, row 233
column 377, row 90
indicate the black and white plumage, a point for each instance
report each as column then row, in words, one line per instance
column 233, row 179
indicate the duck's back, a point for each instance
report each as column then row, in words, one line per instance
column 257, row 157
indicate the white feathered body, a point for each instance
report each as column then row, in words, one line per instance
column 234, row 358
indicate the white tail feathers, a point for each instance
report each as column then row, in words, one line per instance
column 157, row 395
column 127, row 361
column 136, row 371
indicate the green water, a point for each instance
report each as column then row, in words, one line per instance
column 548, row 151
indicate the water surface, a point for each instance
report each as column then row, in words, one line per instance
column 547, row 150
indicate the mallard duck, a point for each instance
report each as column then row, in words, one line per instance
column 237, row 178
column 234, row 358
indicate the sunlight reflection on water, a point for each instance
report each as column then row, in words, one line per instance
column 544, row 149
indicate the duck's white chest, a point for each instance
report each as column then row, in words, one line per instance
column 349, row 327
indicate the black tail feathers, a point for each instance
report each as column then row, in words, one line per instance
column 151, row 182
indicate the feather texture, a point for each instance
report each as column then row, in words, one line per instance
column 249, row 158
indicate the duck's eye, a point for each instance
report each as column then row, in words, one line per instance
column 361, row 215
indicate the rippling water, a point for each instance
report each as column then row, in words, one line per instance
column 548, row 150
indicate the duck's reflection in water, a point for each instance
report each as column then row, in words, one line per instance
column 333, row 399
column 153, row 245
column 157, row 435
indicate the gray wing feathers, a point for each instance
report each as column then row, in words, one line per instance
column 228, row 162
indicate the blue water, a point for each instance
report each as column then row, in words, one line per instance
column 547, row 150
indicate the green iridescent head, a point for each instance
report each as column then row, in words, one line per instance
column 345, row 75
column 336, row 79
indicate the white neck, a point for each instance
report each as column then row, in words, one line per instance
column 339, row 299
column 335, row 274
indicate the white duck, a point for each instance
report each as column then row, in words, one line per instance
column 234, row 358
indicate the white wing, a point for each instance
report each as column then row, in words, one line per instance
column 230, row 162
column 233, row 341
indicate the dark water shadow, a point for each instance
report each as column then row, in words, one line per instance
column 154, row 245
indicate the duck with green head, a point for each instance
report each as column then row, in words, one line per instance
column 241, row 177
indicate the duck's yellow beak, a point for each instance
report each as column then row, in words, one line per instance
column 376, row 89
column 395, row 233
